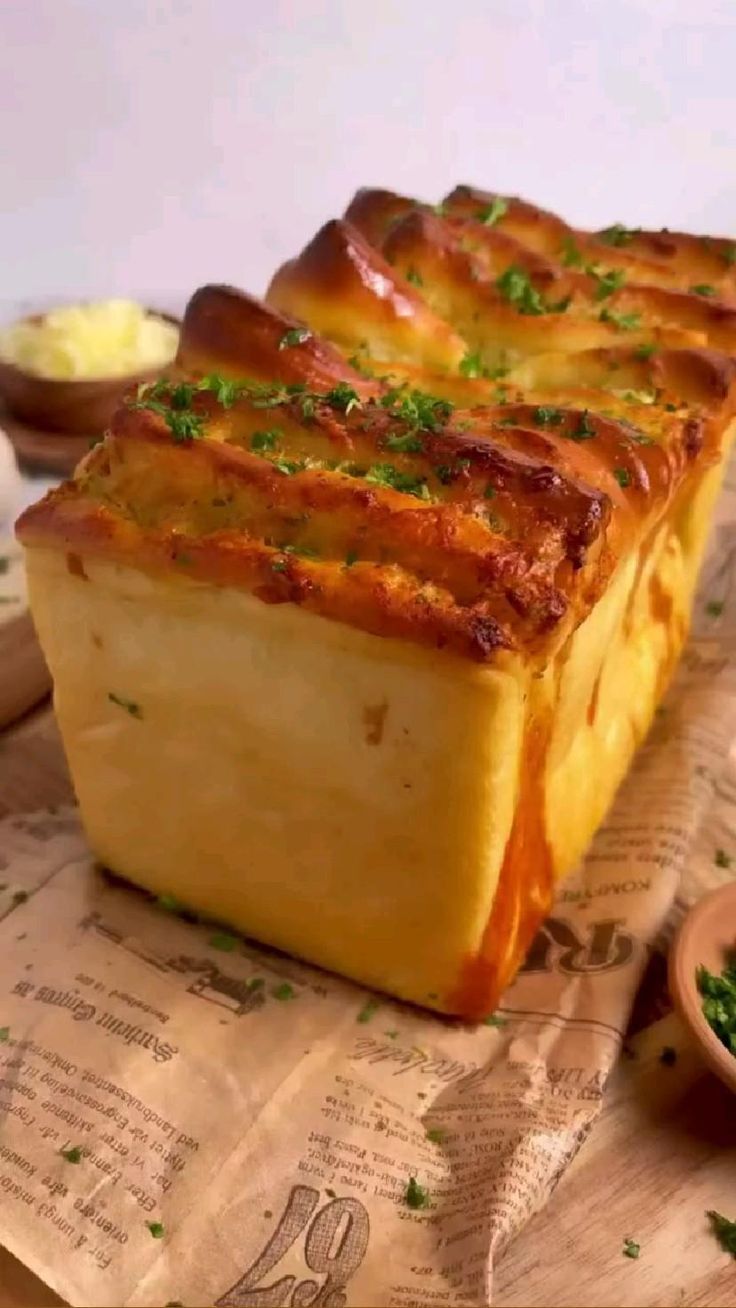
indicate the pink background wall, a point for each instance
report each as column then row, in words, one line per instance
column 159, row 143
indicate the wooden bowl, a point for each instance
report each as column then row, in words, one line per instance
column 25, row 678
column 74, row 406
column 706, row 936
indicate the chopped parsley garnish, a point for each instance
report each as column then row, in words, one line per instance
column 631, row 1249
column 224, row 941
column 668, row 1056
column 617, row 234
column 172, row 401
column 623, row 477
column 645, row 351
column 471, row 365
column 369, row 1009
column 493, row 212
column 157, row 1229
column 279, row 565
column 626, row 322
column 722, row 859
column 283, row 991
column 547, row 416
column 265, row 440
column 418, row 409
column 437, row 1135
column 515, row 286
column 225, row 391
column 288, row 466
column 406, row 444
column 308, row 404
column 129, row 705
column 185, row 425
column 490, row 492
column 294, row 336
column 606, row 282
column 416, row 1195
column 169, row 904
column 719, row 1001
column 414, row 277
column 714, row 608
column 584, row 430
column 728, row 255
column 495, row 1019
column 344, row 397
column 385, row 474
column 570, row 255
column 351, row 558
column 703, row 288
column 269, row 395
column 181, row 394
column 4, row 1034
column 445, row 473
column 724, row 1231
column 72, row 1155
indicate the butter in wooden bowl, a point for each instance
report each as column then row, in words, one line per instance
column 66, row 370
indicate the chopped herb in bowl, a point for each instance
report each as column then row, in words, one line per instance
column 719, row 1001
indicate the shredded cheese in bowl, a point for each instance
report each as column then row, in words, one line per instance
column 111, row 338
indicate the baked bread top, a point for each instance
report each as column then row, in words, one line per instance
column 433, row 430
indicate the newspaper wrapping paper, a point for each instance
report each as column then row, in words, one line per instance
column 246, row 1126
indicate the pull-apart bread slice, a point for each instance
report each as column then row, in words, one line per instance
column 357, row 617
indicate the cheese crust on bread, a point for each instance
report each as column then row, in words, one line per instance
column 357, row 616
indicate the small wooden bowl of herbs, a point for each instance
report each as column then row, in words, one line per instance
column 702, row 975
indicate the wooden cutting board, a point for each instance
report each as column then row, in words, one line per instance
column 46, row 451
column 24, row 677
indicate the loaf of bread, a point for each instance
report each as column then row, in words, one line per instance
column 357, row 616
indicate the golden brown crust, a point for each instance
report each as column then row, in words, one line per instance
column 418, row 445
column 373, row 211
column 223, row 327
column 439, row 281
column 483, row 554
column 346, row 290
column 670, row 259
